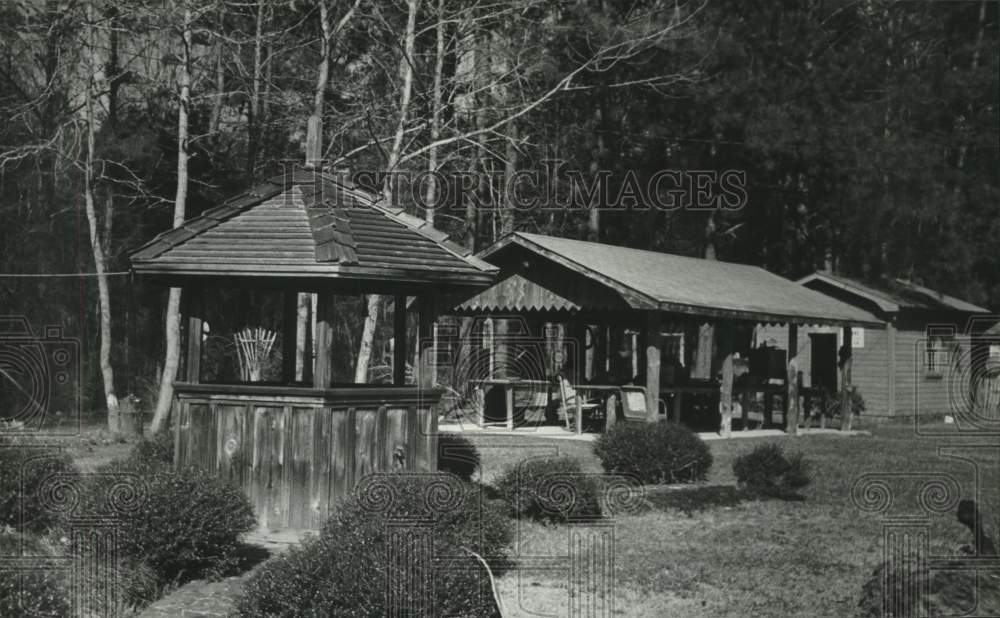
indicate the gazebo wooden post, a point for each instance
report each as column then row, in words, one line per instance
column 724, row 334
column 846, row 409
column 194, row 302
column 654, row 339
column 323, row 369
column 289, row 319
column 425, row 342
column 399, row 340
column 792, row 382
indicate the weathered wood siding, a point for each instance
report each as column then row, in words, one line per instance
column 870, row 362
column 295, row 456
column 915, row 392
column 919, row 393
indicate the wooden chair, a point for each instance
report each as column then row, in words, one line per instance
column 634, row 404
column 570, row 399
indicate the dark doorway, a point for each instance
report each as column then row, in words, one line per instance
column 823, row 361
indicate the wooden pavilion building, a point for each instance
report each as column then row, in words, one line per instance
column 598, row 293
column 298, row 440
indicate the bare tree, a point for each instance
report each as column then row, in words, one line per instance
column 374, row 301
column 173, row 318
column 437, row 108
column 96, row 245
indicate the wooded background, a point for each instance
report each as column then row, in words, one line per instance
column 867, row 131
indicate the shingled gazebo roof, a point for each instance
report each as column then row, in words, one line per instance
column 310, row 225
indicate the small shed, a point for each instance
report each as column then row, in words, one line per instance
column 600, row 292
column 296, row 441
column 926, row 360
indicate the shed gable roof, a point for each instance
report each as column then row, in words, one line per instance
column 893, row 295
column 654, row 280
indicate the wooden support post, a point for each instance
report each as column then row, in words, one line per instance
column 641, row 345
column 724, row 336
column 289, row 334
column 792, row 382
column 508, row 391
column 579, row 412
column 678, row 406
column 194, row 309
column 323, row 369
column 745, row 409
column 501, row 369
column 890, row 331
column 654, row 339
column 578, row 348
column 846, row 409
column 425, row 344
column 399, row 340
column 601, row 350
column 615, row 341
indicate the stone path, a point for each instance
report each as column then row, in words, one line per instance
column 206, row 599
column 199, row 599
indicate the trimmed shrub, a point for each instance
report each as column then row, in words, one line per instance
column 157, row 451
column 399, row 543
column 654, row 453
column 33, row 591
column 767, row 471
column 458, row 456
column 172, row 525
column 27, row 469
column 907, row 585
column 550, row 489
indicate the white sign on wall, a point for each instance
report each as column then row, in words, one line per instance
column 857, row 337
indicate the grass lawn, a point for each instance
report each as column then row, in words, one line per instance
column 755, row 558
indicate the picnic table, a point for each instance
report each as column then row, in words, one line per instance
column 509, row 385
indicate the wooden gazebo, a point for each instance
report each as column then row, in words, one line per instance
column 605, row 289
column 297, row 444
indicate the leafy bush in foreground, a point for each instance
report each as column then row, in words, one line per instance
column 550, row 489
column 401, row 542
column 27, row 474
column 172, row 525
column 34, row 590
column 457, row 455
column 654, row 453
column 767, row 471
column 155, row 451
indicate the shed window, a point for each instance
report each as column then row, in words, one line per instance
column 936, row 352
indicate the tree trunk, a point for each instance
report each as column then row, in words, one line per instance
column 510, row 193
column 258, row 48
column 406, row 73
column 437, row 106
column 104, row 293
column 173, row 319
column 220, row 77
column 374, row 305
